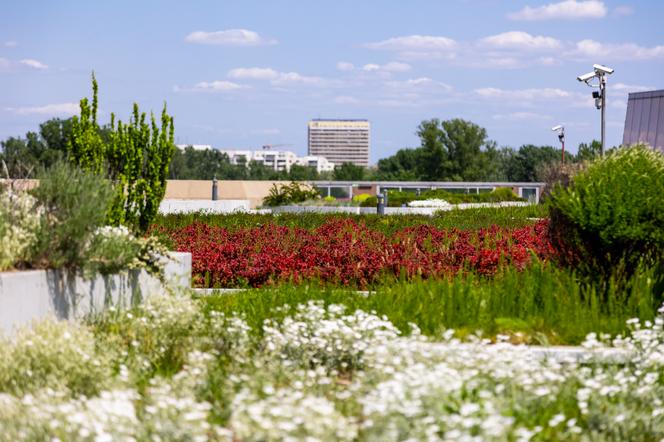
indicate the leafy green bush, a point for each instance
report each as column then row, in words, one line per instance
column 610, row 219
column 359, row 199
column 329, row 199
column 370, row 201
column 75, row 204
column 290, row 193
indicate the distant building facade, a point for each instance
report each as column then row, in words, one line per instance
column 644, row 120
column 278, row 159
column 340, row 141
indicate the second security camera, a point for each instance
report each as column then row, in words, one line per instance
column 587, row 77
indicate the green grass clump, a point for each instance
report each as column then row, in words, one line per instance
column 542, row 305
column 462, row 219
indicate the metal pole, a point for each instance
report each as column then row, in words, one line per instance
column 602, row 83
column 563, row 142
column 215, row 193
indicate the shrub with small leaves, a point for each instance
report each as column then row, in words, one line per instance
column 609, row 220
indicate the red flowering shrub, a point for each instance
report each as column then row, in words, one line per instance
column 345, row 252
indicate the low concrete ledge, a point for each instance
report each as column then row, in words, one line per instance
column 354, row 210
column 208, row 206
column 26, row 296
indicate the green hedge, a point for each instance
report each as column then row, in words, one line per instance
column 611, row 218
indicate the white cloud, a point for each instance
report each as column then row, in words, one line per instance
column 49, row 109
column 565, row 10
column 275, row 77
column 522, row 116
column 521, row 40
column 293, row 77
column 622, row 87
column 35, row 64
column 622, row 11
column 230, row 37
column 586, row 49
column 345, row 66
column 522, row 94
column 425, row 82
column 215, row 86
column 346, row 99
column 253, row 73
column 393, row 66
column 414, row 43
column 10, row 44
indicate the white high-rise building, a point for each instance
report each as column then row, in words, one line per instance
column 278, row 159
column 340, row 141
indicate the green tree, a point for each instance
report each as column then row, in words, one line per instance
column 463, row 141
column 523, row 166
column 135, row 158
column 402, row 166
column 348, row 172
column 590, row 151
column 298, row 172
column 433, row 157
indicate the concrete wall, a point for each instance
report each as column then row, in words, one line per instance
column 26, row 296
column 254, row 191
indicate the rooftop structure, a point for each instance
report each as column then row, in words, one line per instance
column 644, row 120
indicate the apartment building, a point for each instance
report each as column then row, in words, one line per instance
column 278, row 160
column 340, row 141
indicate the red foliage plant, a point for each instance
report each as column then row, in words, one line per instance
column 345, row 252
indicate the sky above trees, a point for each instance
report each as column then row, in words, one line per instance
column 243, row 74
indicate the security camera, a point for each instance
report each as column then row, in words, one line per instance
column 555, row 128
column 587, row 77
column 602, row 69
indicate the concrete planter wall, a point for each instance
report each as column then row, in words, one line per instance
column 36, row 294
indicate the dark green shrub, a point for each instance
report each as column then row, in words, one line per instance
column 610, row 219
column 371, row 201
column 74, row 204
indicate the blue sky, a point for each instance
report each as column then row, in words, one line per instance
column 240, row 74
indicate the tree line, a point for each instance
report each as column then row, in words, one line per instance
column 450, row 150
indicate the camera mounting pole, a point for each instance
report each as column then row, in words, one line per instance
column 600, row 72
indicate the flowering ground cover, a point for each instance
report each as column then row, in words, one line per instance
column 173, row 370
column 343, row 251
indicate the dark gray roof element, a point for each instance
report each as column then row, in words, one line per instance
column 644, row 121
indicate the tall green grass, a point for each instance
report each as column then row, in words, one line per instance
column 462, row 219
column 542, row 304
